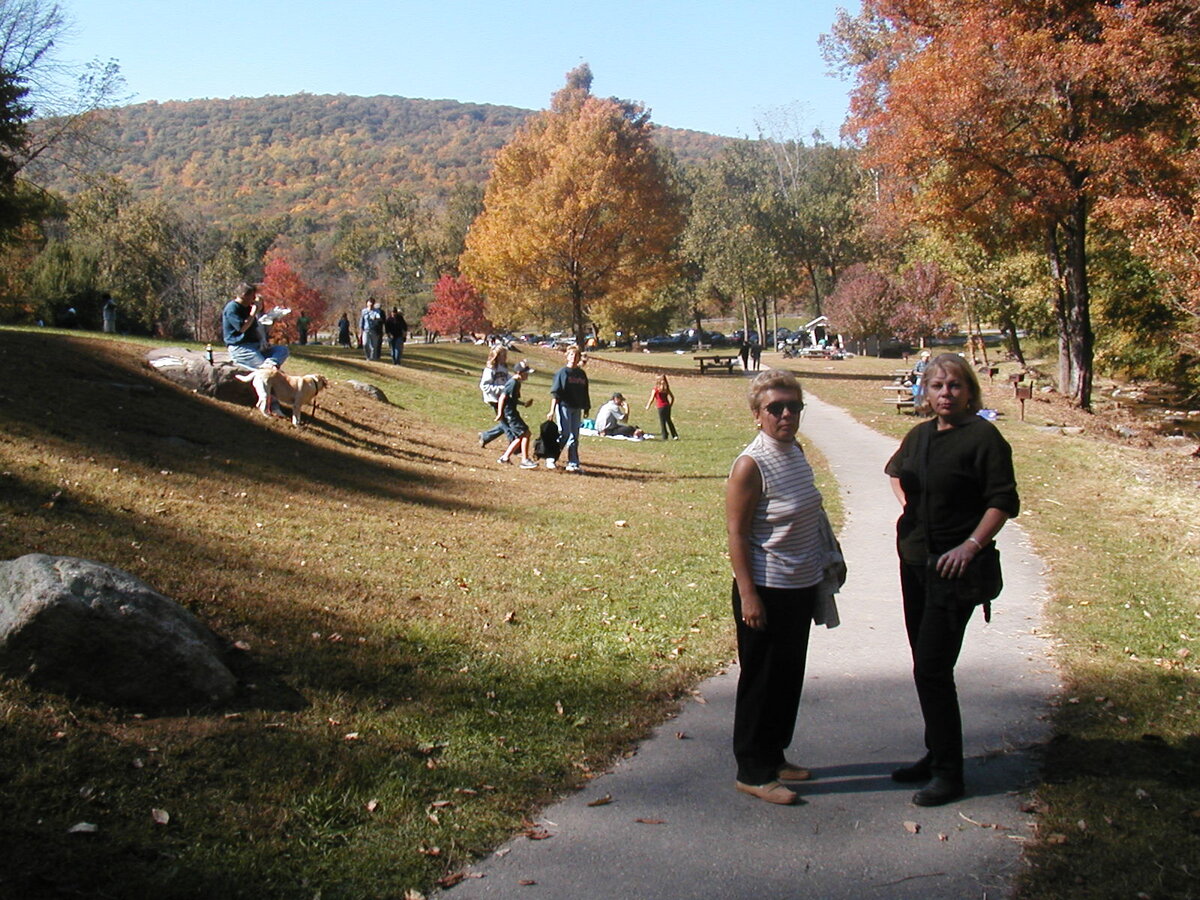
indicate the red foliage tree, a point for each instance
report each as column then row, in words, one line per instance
column 861, row 303
column 283, row 286
column 457, row 308
column 923, row 302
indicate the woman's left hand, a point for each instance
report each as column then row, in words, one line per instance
column 953, row 563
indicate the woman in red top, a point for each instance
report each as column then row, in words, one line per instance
column 662, row 397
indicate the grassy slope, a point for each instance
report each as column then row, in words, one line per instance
column 491, row 636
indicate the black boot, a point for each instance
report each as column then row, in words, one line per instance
column 918, row 771
column 938, row 792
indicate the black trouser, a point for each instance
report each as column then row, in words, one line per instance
column 772, row 675
column 665, row 423
column 935, row 634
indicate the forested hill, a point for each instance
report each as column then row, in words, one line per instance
column 313, row 155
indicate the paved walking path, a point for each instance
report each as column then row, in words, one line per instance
column 853, row 836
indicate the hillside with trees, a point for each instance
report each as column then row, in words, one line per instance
column 311, row 157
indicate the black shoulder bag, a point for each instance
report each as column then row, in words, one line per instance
column 982, row 581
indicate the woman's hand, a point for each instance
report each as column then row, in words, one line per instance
column 754, row 613
column 953, row 563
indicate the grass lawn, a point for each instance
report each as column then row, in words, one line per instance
column 470, row 640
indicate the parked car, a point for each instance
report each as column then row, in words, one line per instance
column 664, row 342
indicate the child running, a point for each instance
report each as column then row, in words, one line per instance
column 662, row 397
column 506, row 410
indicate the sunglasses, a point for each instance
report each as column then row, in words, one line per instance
column 776, row 409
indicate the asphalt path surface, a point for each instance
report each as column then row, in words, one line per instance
column 676, row 829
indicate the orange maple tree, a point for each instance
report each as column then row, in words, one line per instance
column 579, row 217
column 1039, row 112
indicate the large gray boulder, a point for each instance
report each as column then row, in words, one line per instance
column 87, row 629
column 193, row 370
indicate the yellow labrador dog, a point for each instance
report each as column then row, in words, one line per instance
column 293, row 390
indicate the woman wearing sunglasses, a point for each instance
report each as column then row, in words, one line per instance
column 772, row 508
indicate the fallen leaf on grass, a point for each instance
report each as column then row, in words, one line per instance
column 410, row 894
column 242, row 645
column 912, row 827
column 352, row 736
column 372, row 805
column 441, row 804
column 429, row 851
column 83, row 828
column 620, row 523
column 1056, row 839
column 449, row 881
column 602, row 801
column 160, row 816
column 536, row 832
column 651, row 821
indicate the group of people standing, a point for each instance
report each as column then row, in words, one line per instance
column 373, row 324
column 570, row 403
column 954, row 479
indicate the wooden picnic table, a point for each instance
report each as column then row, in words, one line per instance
column 902, row 396
column 718, row 361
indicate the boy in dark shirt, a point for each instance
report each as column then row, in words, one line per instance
column 506, row 410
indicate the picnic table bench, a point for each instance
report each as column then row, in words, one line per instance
column 901, row 397
column 718, row 361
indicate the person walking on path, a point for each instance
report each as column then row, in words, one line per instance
column 954, row 477
column 302, row 326
column 570, row 403
column 370, row 325
column 343, row 327
column 663, row 399
column 396, row 327
column 772, row 514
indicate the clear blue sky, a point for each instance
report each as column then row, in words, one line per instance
column 710, row 65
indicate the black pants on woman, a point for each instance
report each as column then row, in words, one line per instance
column 772, row 674
column 935, row 635
column 665, row 423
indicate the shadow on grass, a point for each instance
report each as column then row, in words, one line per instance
column 283, row 807
column 78, row 392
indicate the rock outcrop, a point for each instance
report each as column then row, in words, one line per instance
column 89, row 630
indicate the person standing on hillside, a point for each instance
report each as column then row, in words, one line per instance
column 396, row 327
column 302, row 326
column 108, row 314
column 570, row 404
column 343, row 327
column 370, row 326
column 663, row 399
column 242, row 334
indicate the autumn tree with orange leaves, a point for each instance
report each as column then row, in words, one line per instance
column 1041, row 113
column 579, row 216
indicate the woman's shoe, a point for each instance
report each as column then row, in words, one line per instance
column 918, row 771
column 789, row 772
column 772, row 792
column 938, row 792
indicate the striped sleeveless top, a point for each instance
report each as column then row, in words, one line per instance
column 785, row 543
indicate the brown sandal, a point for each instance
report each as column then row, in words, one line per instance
column 772, row 792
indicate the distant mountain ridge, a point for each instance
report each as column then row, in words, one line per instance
column 313, row 156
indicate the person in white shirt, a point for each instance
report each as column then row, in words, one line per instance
column 612, row 419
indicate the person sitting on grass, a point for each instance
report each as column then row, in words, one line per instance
column 612, row 419
column 506, row 410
